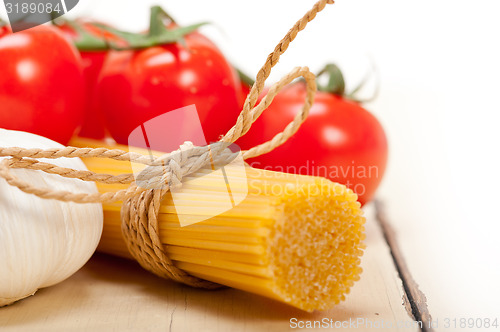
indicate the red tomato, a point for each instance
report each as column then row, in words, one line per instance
column 41, row 83
column 339, row 140
column 93, row 61
column 137, row 86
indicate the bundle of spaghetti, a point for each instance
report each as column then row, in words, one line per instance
column 294, row 238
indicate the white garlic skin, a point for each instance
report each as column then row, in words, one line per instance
column 43, row 242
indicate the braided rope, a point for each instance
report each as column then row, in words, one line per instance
column 142, row 199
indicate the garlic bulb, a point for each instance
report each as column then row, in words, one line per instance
column 43, row 242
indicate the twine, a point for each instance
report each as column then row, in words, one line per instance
column 141, row 204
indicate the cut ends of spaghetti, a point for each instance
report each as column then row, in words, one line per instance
column 316, row 244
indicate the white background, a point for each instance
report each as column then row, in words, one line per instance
column 439, row 64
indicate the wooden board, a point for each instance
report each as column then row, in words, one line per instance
column 113, row 294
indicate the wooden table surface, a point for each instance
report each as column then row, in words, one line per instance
column 114, row 294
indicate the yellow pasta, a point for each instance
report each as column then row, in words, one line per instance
column 297, row 239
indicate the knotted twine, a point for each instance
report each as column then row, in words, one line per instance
column 141, row 203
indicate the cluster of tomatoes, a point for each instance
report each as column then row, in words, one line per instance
column 81, row 77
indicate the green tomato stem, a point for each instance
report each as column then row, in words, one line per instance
column 159, row 33
column 156, row 24
column 85, row 42
column 336, row 82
